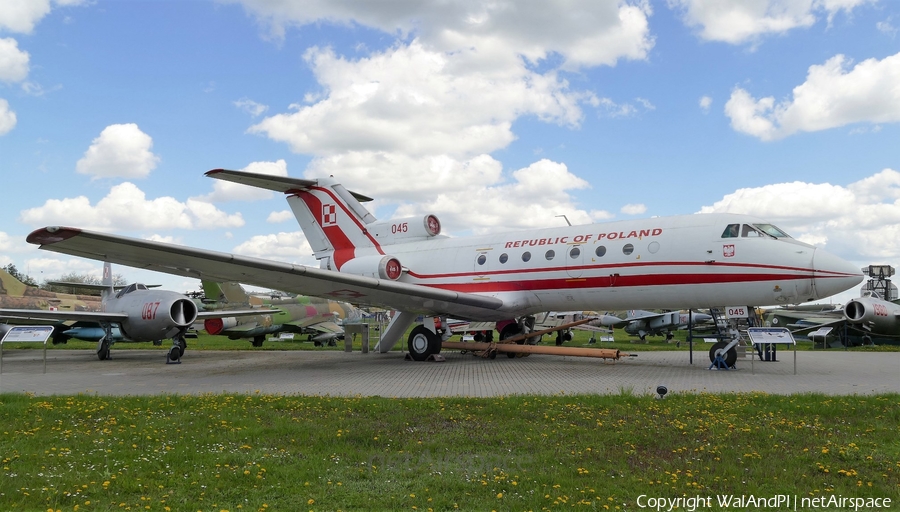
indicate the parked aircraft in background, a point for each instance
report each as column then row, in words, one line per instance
column 315, row 317
column 135, row 313
column 690, row 261
column 858, row 322
column 647, row 323
column 16, row 294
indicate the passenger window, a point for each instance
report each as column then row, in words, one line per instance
column 503, row 258
column 526, row 256
column 575, row 252
column 601, row 251
column 731, row 231
column 628, row 249
column 481, row 259
column 550, row 254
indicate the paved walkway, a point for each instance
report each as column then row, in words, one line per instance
column 140, row 372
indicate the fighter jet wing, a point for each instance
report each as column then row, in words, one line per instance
column 222, row 313
column 218, row 266
column 327, row 327
column 804, row 329
column 42, row 314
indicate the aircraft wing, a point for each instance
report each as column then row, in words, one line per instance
column 223, row 313
column 60, row 316
column 327, row 327
column 218, row 266
column 804, row 329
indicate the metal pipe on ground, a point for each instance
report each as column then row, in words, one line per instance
column 602, row 353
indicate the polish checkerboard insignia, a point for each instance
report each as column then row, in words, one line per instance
column 329, row 216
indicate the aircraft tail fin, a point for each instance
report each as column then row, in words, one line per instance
column 11, row 286
column 227, row 292
column 107, row 282
column 332, row 217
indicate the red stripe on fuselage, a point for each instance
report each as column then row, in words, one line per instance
column 613, row 281
column 618, row 266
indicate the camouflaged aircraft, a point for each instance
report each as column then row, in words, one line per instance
column 317, row 318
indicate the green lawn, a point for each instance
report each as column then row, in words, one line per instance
column 259, row 452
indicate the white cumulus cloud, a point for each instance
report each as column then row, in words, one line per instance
column 420, row 102
column 634, row 209
column 448, row 91
column 740, row 21
column 121, row 150
column 280, row 216
column 7, row 117
column 832, row 96
column 126, row 208
column 288, row 247
column 531, row 197
column 582, row 32
column 13, row 61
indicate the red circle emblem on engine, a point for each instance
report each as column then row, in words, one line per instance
column 393, row 269
column 432, row 225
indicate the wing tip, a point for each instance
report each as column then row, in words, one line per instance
column 51, row 235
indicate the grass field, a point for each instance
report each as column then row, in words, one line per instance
column 258, row 452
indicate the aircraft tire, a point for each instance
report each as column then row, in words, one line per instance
column 423, row 343
column 175, row 353
column 103, row 350
column 730, row 356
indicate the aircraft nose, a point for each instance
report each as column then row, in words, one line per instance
column 833, row 274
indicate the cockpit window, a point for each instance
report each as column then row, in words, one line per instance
column 130, row 288
column 755, row 230
column 748, row 230
column 771, row 230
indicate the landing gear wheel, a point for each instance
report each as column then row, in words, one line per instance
column 103, row 350
column 258, row 341
column 423, row 343
column 175, row 353
column 718, row 348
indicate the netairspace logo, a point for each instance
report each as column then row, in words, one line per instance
column 753, row 502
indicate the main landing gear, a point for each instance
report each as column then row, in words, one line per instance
column 423, row 342
column 105, row 343
column 723, row 355
column 179, row 345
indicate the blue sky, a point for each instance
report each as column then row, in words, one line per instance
column 494, row 118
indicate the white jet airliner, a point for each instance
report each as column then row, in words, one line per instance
column 690, row 261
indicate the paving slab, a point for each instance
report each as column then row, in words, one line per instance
column 142, row 372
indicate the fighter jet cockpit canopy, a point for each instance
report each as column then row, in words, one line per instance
column 753, row 230
column 130, row 288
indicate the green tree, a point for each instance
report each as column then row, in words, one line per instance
column 77, row 278
column 25, row 278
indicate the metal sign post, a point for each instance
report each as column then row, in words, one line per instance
column 23, row 333
column 771, row 335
